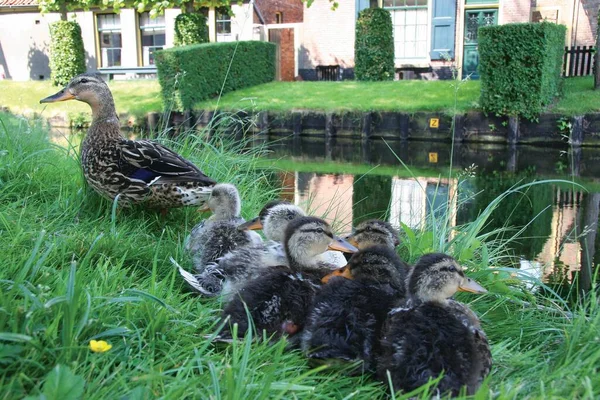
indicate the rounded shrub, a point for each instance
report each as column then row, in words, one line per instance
column 67, row 55
column 374, row 46
column 190, row 29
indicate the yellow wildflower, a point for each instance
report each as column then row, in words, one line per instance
column 99, row 346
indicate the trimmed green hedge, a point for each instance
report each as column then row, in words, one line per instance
column 67, row 56
column 190, row 29
column 190, row 74
column 374, row 46
column 520, row 67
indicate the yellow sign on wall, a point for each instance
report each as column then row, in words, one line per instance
column 433, row 157
column 434, row 123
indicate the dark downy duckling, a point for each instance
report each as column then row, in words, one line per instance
column 374, row 232
column 278, row 301
column 217, row 235
column 231, row 271
column 430, row 334
column 346, row 316
column 138, row 171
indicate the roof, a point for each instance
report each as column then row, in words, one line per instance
column 18, row 3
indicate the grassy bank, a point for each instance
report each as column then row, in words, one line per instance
column 132, row 98
column 138, row 97
column 72, row 271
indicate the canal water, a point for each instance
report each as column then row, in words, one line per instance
column 409, row 183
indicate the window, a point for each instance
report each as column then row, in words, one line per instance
column 224, row 27
column 278, row 18
column 109, row 31
column 409, row 18
column 153, row 36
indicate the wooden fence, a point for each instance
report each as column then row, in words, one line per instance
column 578, row 61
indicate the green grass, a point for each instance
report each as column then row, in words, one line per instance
column 407, row 96
column 132, row 98
column 72, row 271
column 579, row 97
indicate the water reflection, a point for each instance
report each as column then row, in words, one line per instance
column 557, row 222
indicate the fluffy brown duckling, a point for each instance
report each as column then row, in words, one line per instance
column 138, row 171
column 229, row 273
column 374, row 232
column 345, row 319
column 430, row 334
column 278, row 301
column 219, row 234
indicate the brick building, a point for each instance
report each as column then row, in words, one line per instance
column 429, row 32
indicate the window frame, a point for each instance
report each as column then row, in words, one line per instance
column 150, row 28
column 229, row 35
column 99, row 42
column 426, row 58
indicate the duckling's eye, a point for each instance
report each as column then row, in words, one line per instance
column 320, row 230
column 452, row 268
column 290, row 217
column 84, row 80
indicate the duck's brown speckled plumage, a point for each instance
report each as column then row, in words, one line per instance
column 138, row 171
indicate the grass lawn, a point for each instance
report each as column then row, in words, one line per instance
column 579, row 97
column 408, row 96
column 131, row 98
column 72, row 270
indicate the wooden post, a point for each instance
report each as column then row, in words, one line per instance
column 597, row 61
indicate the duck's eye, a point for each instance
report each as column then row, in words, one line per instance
column 290, row 217
column 320, row 230
column 452, row 268
column 84, row 80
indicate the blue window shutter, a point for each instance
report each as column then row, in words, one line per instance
column 361, row 5
column 443, row 25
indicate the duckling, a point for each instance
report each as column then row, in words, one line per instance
column 374, row 232
column 235, row 268
column 346, row 316
column 279, row 299
column 430, row 334
column 214, row 237
column 138, row 171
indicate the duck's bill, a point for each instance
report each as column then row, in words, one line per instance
column 469, row 285
column 63, row 95
column 352, row 240
column 204, row 208
column 252, row 225
column 340, row 244
column 343, row 272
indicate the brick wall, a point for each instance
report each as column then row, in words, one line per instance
column 512, row 11
column 291, row 10
column 328, row 36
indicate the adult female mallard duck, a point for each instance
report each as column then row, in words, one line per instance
column 217, row 235
column 345, row 318
column 430, row 334
column 228, row 273
column 138, row 171
column 279, row 299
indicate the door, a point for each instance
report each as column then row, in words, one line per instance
column 474, row 19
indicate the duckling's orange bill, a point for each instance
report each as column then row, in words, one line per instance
column 343, row 272
column 469, row 285
column 340, row 244
column 352, row 240
column 252, row 225
column 60, row 96
column 204, row 208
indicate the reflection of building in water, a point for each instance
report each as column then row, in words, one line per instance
column 326, row 195
column 415, row 201
column 562, row 250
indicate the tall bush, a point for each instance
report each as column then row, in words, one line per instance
column 520, row 67
column 190, row 29
column 67, row 55
column 190, row 74
column 374, row 46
